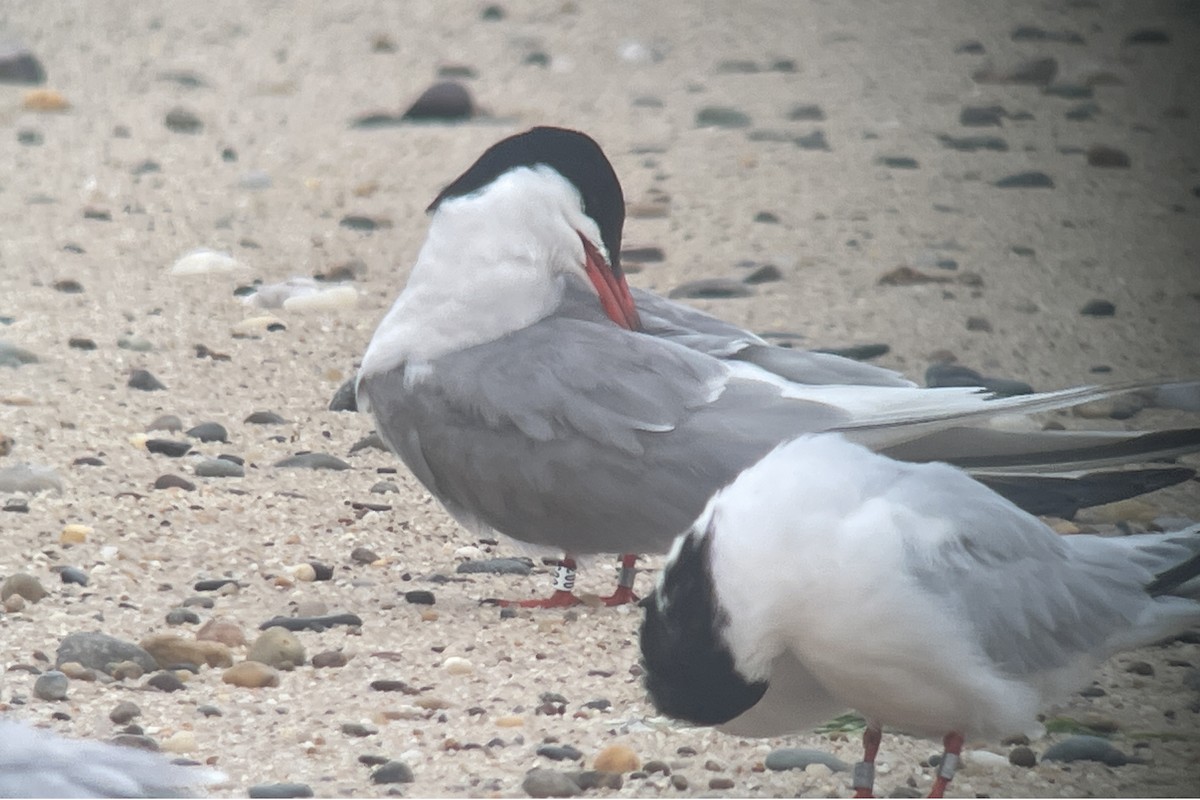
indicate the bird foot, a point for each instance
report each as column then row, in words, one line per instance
column 622, row 596
column 560, row 599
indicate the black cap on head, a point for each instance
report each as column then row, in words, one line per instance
column 572, row 154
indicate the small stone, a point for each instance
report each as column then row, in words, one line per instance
column 492, row 13
column 556, row 752
column 317, row 624
column 136, row 741
column 1140, row 668
column 180, row 120
column 126, row 671
column 786, row 758
column 720, row 783
column 123, row 712
column 265, row 418
column 393, row 772
column 358, row 730
column 180, row 742
column 549, row 783
column 445, row 101
column 77, row 672
column 1025, row 180
column 45, row 100
column 18, row 65
column 13, row 356
column 209, row 432
column 51, row 685
column 312, row 461
column 908, row 276
column 1099, row 155
column 812, row 141
column 642, row 255
column 767, row 273
column 278, row 790
column 81, row 343
column 170, row 650
column 1098, row 308
column 363, row 555
column 218, row 468
column 344, row 398
column 182, row 616
column 710, row 289
column 330, row 659
column 616, row 758
column 721, row 117
column 496, row 566
column 168, row 447
column 137, row 344
column 899, row 162
column 679, row 782
column 29, row 479
column 26, row 586
column 980, row 324
column 222, row 630
column 209, row 711
column 73, row 575
column 597, row 779
column 174, row 482
column 165, row 422
column 1148, row 36
column 16, row 603
column 766, row 217
column 419, row 597
column 1088, row 748
column 143, row 381
column 278, row 648
column 456, row 665
column 971, row 144
column 979, row 116
column 203, row 261
column 251, row 674
column 165, row 681
column 1036, row 71
column 806, row 113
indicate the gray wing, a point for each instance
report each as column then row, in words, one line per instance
column 38, row 763
column 1037, row 601
column 704, row 333
column 573, row 434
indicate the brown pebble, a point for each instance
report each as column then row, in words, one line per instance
column 123, row 712
column 23, row 584
column 714, row 766
column 76, row 671
column 170, row 649
column 330, row 658
column 1022, row 756
column 616, row 758
column 45, row 100
column 251, row 674
column 222, row 630
column 721, row 783
column 679, row 782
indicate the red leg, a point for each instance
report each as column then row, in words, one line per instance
column 864, row 771
column 624, row 593
column 563, row 596
column 952, row 750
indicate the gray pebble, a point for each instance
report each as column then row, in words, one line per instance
column 123, row 712
column 970, row 144
column 330, row 659
column 81, row 343
column 767, row 273
column 209, row 432
column 174, row 482
column 1148, row 36
column 642, row 255
column 73, row 575
column 270, row 790
column 13, row 356
column 165, row 422
column 1140, row 668
column 182, row 616
column 344, row 398
column 363, row 555
column 317, row 624
column 218, row 468
column 721, row 117
column 1088, row 748
column 559, row 752
column 1069, row 91
column 165, row 681
column 419, row 597
column 1099, row 155
column 393, row 772
column 981, row 116
column 51, row 685
column 384, row 487
column 143, row 381
column 679, row 782
column 265, row 418
column 1035, row 71
column 277, row 647
column 100, row 651
column 445, row 101
column 1022, row 756
column 209, row 711
column 135, row 343
column 1025, row 180
column 19, row 65
column 979, row 324
column 598, row 779
column 497, row 566
column 787, row 758
column 710, row 289
column 899, row 162
column 549, row 783
column 812, row 141
column 312, row 461
column 370, row 441
column 23, row 585
column 358, row 730
column 168, row 447
column 180, row 120
column 135, row 740
column 29, row 478
column 807, row 113
column 1098, row 308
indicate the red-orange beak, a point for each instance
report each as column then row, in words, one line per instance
column 611, row 286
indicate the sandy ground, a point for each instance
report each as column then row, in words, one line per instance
column 282, row 83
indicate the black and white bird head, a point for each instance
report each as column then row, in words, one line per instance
column 535, row 210
column 689, row 667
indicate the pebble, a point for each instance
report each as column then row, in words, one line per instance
column 445, row 101
column 180, row 742
column 970, row 144
column 209, row 432
column 786, row 758
column 73, row 575
column 812, row 141
column 1098, row 308
column 1035, row 71
column 981, row 116
column 45, row 100
column 13, row 356
column 806, row 113
column 170, row 650
column 721, row 117
column 979, row 324
column 393, row 772
column 1140, row 668
column 371, row 441
column 209, row 711
column 710, row 289
column 277, row 647
column 642, row 255
column 767, row 273
column 363, row 555
column 203, row 261
column 1025, row 180
column 1099, row 155
column 51, row 685
column 218, row 468
column 170, row 481
column 679, row 782
column 312, row 461
column 135, row 343
column 77, row 672
column 313, row 623
column 165, row 681
column 123, row 712
column 597, row 779
column 142, row 380
column 899, row 162
column 23, row 584
column 616, row 758
column 29, row 479
column 457, row 665
column 556, row 752
column 1148, row 36
column 1032, row 33
column 251, row 674
column 19, row 65
column 330, row 659
column 165, row 422
column 214, row 584
column 81, row 343
column 181, row 120
column 1088, row 748
column 15, row 603
column 168, row 447
column 549, row 783
column 222, row 630
column 127, row 671
column 419, row 597
column 265, row 418
column 496, row 566
column 135, row 740
column 274, row 790
column 720, row 783
column 358, row 730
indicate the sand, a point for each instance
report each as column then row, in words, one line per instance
column 276, row 168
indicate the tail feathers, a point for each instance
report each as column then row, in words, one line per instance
column 1180, row 579
column 810, row 367
column 1057, row 496
column 1048, row 451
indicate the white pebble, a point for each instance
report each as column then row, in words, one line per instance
column 468, row 552
column 331, row 299
column 205, row 262
column 983, row 760
column 455, row 665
